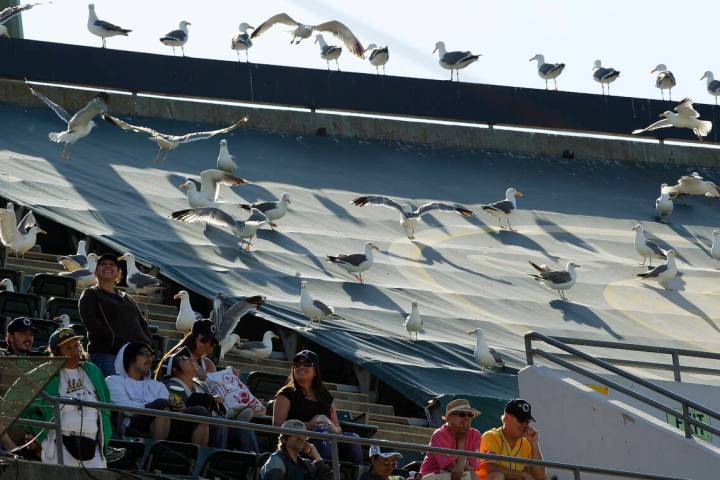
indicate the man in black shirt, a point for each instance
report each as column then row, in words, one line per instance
column 287, row 464
column 381, row 464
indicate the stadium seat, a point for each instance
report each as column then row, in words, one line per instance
column 57, row 306
column 172, row 458
column 45, row 328
column 134, row 451
column 229, row 464
column 265, row 385
column 15, row 304
column 48, row 285
column 348, row 471
column 15, row 276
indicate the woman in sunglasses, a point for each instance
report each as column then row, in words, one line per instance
column 200, row 341
column 305, row 398
column 455, row 434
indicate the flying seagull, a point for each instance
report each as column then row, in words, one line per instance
column 167, row 142
column 604, row 76
column 504, row 208
column 693, row 184
column 205, row 193
column 272, row 210
column 11, row 12
column 356, row 263
column 18, row 237
column 102, row 28
column 84, row 277
column 227, row 319
column 256, row 350
column 665, row 80
column 548, row 71
column 378, row 57
column 328, row 52
column 414, row 322
column 662, row 273
column 244, row 229
column 186, row 316
column 686, row 117
column 242, row 41
column 313, row 309
column 78, row 125
column 177, row 38
column 138, row 282
column 485, row 357
column 454, row 60
column 559, row 280
column 408, row 216
column 302, row 31
column 664, row 204
column 712, row 85
column 645, row 248
column 77, row 261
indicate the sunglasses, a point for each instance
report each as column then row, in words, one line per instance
column 208, row 340
column 303, row 365
column 463, row 414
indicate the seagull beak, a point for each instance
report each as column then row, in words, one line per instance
column 42, row 231
column 250, row 26
column 531, row 59
column 122, row 257
column 471, row 333
column 176, row 296
column 519, row 194
column 184, row 185
column 435, row 50
column 376, row 248
column 653, row 70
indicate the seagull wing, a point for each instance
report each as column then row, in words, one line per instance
column 557, row 276
column 211, row 215
column 283, row 18
column 192, row 137
column 211, row 179
column 539, row 268
column 690, row 180
column 445, row 207
column 685, row 109
column 231, row 318
column 108, row 26
column 83, row 116
column 9, row 12
column 377, row 200
column 59, row 111
column 143, row 280
column 176, row 35
column 664, row 123
column 504, row 206
column 341, row 31
column 354, row 259
column 8, row 226
column 324, row 309
column 134, row 128
column 655, row 248
column 27, row 222
column 654, row 272
column 453, row 58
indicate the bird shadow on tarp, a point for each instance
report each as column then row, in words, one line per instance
column 433, row 222
column 280, row 239
column 562, row 235
column 370, row 295
column 474, row 220
column 253, row 193
column 696, row 240
column 336, row 209
column 580, row 314
column 672, row 294
column 431, row 256
column 517, row 239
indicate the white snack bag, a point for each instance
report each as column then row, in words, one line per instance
column 239, row 402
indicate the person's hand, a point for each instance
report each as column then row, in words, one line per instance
column 532, row 435
column 235, row 372
column 219, row 399
column 310, row 450
column 314, row 423
column 177, row 406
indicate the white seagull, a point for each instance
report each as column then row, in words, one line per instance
column 138, row 282
column 226, row 319
column 712, row 85
column 665, row 80
column 686, row 117
column 11, row 12
column 604, row 76
column 328, row 52
column 7, row 284
column 186, row 316
column 356, row 263
column 18, row 237
column 715, row 247
column 485, row 357
column 664, row 204
column 693, row 184
column 414, row 322
column 225, row 161
column 177, row 38
column 548, row 71
column 102, row 28
column 205, row 193
column 256, row 350
column 454, row 60
column 662, row 273
column 408, row 216
column 63, row 319
column 645, row 248
column 302, row 31
column 78, row 125
column 84, row 277
column 77, row 261
column 378, row 57
column 313, row 309
column 559, row 280
column 242, row 41
column 244, row 229
column 504, row 208
column 272, row 210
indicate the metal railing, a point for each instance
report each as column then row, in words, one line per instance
column 686, row 404
column 577, row 470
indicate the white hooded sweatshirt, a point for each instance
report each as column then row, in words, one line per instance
column 130, row 392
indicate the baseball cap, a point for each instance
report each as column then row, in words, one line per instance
column 108, row 256
column 170, row 360
column 375, row 450
column 519, row 409
column 294, row 424
column 21, row 324
column 308, row 356
column 62, row 335
column 205, row 328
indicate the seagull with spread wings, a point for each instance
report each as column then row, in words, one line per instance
column 167, row 142
column 302, row 31
column 11, row 12
column 559, row 280
column 686, row 117
column 692, row 184
column 18, row 237
column 226, row 319
column 245, row 229
column 205, row 193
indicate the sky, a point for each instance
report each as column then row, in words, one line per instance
column 630, row 36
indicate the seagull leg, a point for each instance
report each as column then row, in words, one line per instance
column 337, row 64
column 103, row 40
column 157, row 156
column 65, row 154
column 555, row 80
column 670, row 94
column 457, row 75
column 328, row 64
column 182, row 49
column 272, row 225
column 310, row 322
column 291, row 42
column 546, row 86
column 247, row 57
column 383, row 70
column 238, row 54
column 377, row 70
column 360, row 278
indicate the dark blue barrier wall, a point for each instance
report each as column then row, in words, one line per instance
column 357, row 92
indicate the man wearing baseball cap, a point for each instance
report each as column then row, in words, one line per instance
column 516, row 438
column 382, row 464
column 20, row 337
column 288, row 464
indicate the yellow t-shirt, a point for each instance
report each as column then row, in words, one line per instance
column 493, row 441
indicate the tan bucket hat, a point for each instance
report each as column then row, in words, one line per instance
column 460, row 405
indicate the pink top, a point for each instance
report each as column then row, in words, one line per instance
column 444, row 438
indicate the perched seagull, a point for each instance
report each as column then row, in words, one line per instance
column 302, row 31
column 102, row 28
column 257, row 350
column 485, row 357
column 272, row 210
column 454, row 60
column 313, row 309
column 378, row 56
column 205, row 193
column 77, row 261
column 242, row 41
column 662, row 273
column 78, row 125
column 715, row 247
column 11, row 12
column 665, row 80
column 408, row 216
column 226, row 320
column 548, row 71
column 559, row 280
column 604, row 76
column 356, row 263
column 225, row 161
column 7, row 284
column 414, row 322
column 693, row 184
column 186, row 316
column 686, row 117
column 504, row 208
column 63, row 319
column 664, row 204
column 645, row 248
column 84, row 277
column 328, row 52
column 177, row 38
column 713, row 86
column 138, row 282
column 18, row 237
column 245, row 229
column 169, row 142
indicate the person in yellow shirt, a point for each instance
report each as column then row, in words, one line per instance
column 516, row 438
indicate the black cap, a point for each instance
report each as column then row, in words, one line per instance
column 308, row 356
column 170, row 360
column 205, row 328
column 108, row 256
column 21, row 324
column 519, row 409
column 62, row 335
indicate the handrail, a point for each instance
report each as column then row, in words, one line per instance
column 685, row 403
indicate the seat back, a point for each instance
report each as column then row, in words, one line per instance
column 134, row 451
column 265, row 385
column 229, row 464
column 57, row 306
column 172, row 458
column 48, row 285
column 44, row 328
column 14, row 304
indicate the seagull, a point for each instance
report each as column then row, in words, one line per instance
column 256, row 350
column 559, row 280
column 242, row 41
column 205, row 193
column 138, row 282
column 302, row 31
column 548, row 71
column 225, row 160
column 245, row 229
column 663, row 204
column 485, row 357
column 186, row 316
column 77, row 261
column 693, row 184
column 713, row 86
column 408, row 216
column 604, row 76
column 504, row 208
column 63, row 319
column 11, row 12
column 101, row 28
column 665, row 80
column 177, row 38
column 414, row 322
column 84, row 277
column 7, row 284
column 226, row 319
column 662, row 273
column 79, row 125
column 453, row 60
column 169, row 142
column 313, row 309
column 645, row 248
column 715, row 248
column 18, row 237
column 686, row 117
column 355, row 263
column 378, row 56
column 272, row 210
column 328, row 52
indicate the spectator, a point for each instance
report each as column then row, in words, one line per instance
column 455, row 434
column 111, row 317
column 201, row 341
column 305, row 398
column 516, row 438
column 287, row 464
column 381, row 464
